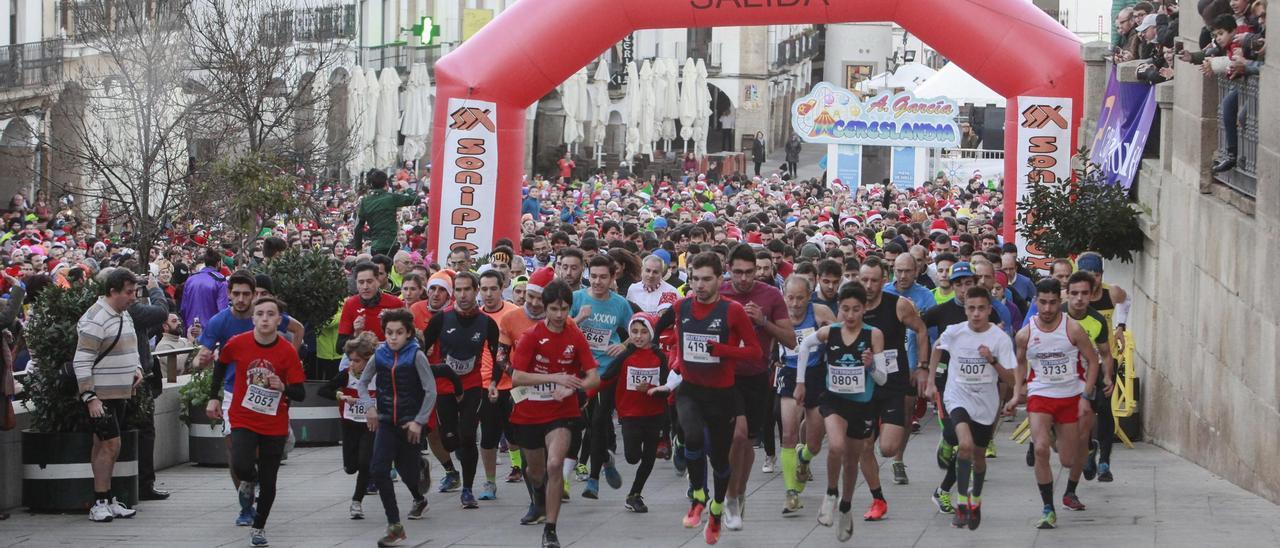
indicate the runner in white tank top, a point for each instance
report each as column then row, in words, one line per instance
column 1055, row 370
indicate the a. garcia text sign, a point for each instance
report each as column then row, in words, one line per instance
column 832, row 115
column 470, row 177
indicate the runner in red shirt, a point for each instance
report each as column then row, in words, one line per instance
column 712, row 335
column 550, row 364
column 268, row 375
column 362, row 311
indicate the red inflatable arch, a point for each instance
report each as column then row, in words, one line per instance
column 484, row 87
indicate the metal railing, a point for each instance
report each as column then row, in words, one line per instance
column 1243, row 178
column 401, row 57
column 323, row 24
column 87, row 21
column 796, row 49
column 31, row 64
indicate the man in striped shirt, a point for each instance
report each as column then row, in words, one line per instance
column 108, row 369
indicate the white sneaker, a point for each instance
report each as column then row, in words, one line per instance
column 770, row 465
column 101, row 512
column 119, row 510
column 732, row 515
column 846, row 527
column 826, row 511
column 742, row 507
column 357, row 510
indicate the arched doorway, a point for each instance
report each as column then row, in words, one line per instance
column 18, row 159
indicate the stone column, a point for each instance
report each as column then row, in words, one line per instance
column 1096, row 75
column 1194, row 120
column 1164, row 102
column 1268, row 198
column 753, row 115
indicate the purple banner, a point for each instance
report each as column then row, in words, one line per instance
column 1123, row 126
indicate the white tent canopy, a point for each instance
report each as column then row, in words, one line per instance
column 954, row 83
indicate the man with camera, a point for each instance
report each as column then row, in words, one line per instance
column 108, row 369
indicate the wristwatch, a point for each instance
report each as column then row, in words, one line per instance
column 88, row 396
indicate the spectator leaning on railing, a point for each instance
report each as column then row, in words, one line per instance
column 1239, row 46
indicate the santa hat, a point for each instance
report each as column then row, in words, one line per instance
column 647, row 320
column 937, row 226
column 873, row 216
column 441, row 279
column 540, row 279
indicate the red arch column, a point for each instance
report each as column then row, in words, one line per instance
column 484, row 87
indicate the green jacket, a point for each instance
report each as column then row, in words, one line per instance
column 377, row 211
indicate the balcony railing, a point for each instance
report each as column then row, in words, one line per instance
column 1243, row 178
column 311, row 25
column 87, row 22
column 400, row 57
column 31, row 64
column 796, row 49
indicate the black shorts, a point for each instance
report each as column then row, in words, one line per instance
column 982, row 433
column 889, row 406
column 860, row 422
column 756, row 401
column 534, row 436
column 815, row 383
column 114, row 420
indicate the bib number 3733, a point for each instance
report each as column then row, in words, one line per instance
column 261, row 399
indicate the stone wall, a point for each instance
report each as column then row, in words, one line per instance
column 1203, row 315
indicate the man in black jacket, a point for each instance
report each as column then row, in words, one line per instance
column 148, row 317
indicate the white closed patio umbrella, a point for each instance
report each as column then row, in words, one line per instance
column 415, row 121
column 388, row 128
column 356, row 120
column 688, row 100
column 372, row 96
column 704, row 110
column 648, row 132
column 671, row 98
column 634, row 100
column 600, row 108
column 659, row 102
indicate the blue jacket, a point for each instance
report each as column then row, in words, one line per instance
column 406, row 387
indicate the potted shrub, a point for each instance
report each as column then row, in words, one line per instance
column 205, row 444
column 56, row 448
column 1084, row 214
column 313, row 287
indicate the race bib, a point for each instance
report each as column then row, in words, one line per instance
column 1055, row 369
column 459, row 365
column 597, row 339
column 890, row 361
column 697, row 348
column 357, row 410
column 641, row 376
column 800, row 336
column 846, row 380
column 537, row 392
column 971, row 371
column 261, row 399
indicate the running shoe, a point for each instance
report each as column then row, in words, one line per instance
column 1104, row 472
column 372, row 489
column 793, row 503
column 258, row 537
column 1070, row 500
column 395, row 535
column 450, row 482
column 395, row 476
column 502, row 445
column 489, row 491
column 1048, row 520
column 611, row 475
column 991, row 449
column 356, row 510
column 877, row 511
column 1091, row 463
column 419, row 508
column 582, row 472
column 121, row 511
column 564, row 497
column 975, row 512
column 802, row 471
column 711, row 533
column 732, row 514
column 900, row 473
column 826, row 510
column 245, row 494
column 946, row 454
column 245, row 518
column 516, row 475
column 942, row 499
column 101, row 513
column 1031, row 453
column 846, row 527
column 534, row 515
column 679, row 461
column 549, row 539
column 915, row 427
column 635, row 503
column 467, row 499
column 592, row 490
column 664, row 449
column 961, row 519
column 770, row 465
column 694, row 517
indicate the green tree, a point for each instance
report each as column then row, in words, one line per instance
column 1084, row 214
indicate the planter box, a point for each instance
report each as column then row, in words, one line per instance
column 205, row 443
column 58, row 477
column 315, row 420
